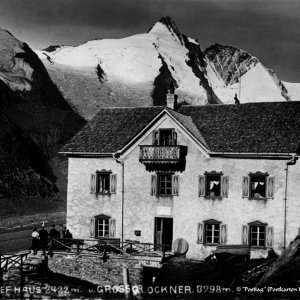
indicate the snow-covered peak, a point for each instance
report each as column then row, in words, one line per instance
column 167, row 26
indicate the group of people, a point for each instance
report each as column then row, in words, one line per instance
column 40, row 238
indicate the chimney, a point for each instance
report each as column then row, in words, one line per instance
column 171, row 100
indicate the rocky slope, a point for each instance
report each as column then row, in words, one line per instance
column 35, row 121
column 238, row 70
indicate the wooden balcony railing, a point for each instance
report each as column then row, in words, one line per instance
column 163, row 154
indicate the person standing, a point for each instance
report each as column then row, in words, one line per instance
column 53, row 235
column 61, row 231
column 35, row 241
column 43, row 239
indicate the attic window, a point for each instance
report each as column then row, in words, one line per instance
column 165, row 137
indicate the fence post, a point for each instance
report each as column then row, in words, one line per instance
column 1, row 271
column 21, row 278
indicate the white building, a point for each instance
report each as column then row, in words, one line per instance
column 213, row 174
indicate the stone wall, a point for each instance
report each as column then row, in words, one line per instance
column 186, row 209
column 94, row 269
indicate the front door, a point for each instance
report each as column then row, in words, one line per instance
column 163, row 234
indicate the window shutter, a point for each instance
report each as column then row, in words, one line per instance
column 200, row 233
column 153, row 184
column 270, row 236
column 224, row 186
column 270, row 187
column 174, row 138
column 245, row 186
column 113, row 183
column 223, row 234
column 92, row 227
column 201, row 186
column 155, row 137
column 245, row 235
column 175, row 185
column 112, row 228
column 93, row 183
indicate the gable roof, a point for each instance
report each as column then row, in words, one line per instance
column 111, row 129
column 270, row 127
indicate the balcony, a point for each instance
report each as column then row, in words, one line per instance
column 162, row 154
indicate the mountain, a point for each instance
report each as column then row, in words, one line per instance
column 138, row 70
column 35, row 121
column 239, row 72
column 133, row 71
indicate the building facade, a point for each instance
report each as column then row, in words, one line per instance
column 209, row 174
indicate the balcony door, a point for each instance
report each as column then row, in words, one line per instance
column 167, row 137
column 163, row 234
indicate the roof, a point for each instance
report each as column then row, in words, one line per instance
column 269, row 127
column 111, row 129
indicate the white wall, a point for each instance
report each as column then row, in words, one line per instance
column 187, row 209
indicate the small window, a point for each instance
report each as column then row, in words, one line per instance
column 165, row 184
column 103, row 183
column 258, row 235
column 165, row 137
column 213, row 185
column 212, row 233
column 258, row 186
column 102, row 228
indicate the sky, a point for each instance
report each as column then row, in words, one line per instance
column 267, row 29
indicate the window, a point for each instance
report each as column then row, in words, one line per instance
column 165, row 137
column 258, row 186
column 258, row 234
column 213, row 184
column 103, row 182
column 164, row 184
column 211, row 232
column 102, row 226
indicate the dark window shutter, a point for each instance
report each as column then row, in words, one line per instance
column 175, row 185
column 112, row 228
column 223, row 234
column 155, row 137
column 270, row 187
column 200, row 233
column 245, row 235
column 245, row 186
column 92, row 227
column 201, row 186
column 224, row 186
column 270, row 236
column 113, row 183
column 153, row 184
